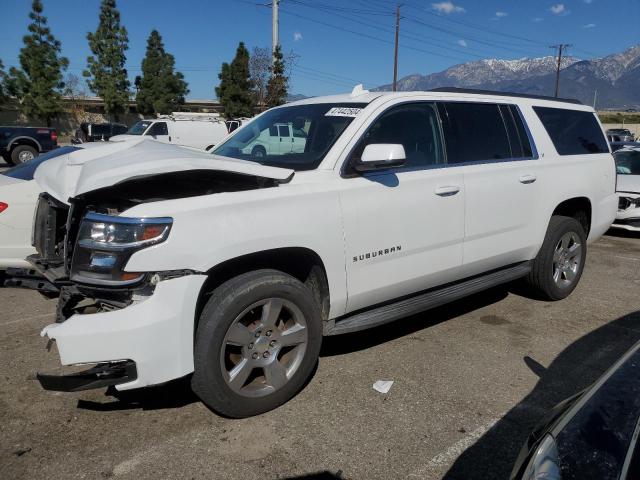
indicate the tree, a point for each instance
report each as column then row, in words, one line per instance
column 4, row 95
column 38, row 81
column 260, row 71
column 105, row 72
column 278, row 83
column 160, row 89
column 235, row 89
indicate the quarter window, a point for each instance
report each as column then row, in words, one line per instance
column 414, row 126
column 474, row 132
column 573, row 132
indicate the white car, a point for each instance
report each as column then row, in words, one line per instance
column 232, row 268
column 278, row 139
column 197, row 130
column 628, row 187
column 19, row 196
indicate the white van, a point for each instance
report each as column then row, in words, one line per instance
column 197, row 130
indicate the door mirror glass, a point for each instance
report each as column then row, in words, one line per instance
column 377, row 156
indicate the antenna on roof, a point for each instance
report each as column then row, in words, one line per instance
column 358, row 90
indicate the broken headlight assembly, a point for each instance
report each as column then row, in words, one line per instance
column 105, row 243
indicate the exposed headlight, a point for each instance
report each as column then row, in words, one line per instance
column 544, row 464
column 106, row 242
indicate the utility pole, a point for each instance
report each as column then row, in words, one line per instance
column 395, row 53
column 275, row 26
column 560, row 48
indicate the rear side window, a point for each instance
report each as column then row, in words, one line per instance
column 159, row 128
column 474, row 132
column 573, row 132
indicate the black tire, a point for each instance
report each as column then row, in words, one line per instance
column 258, row 151
column 20, row 150
column 226, row 304
column 541, row 278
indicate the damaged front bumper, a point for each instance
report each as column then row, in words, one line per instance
column 151, row 336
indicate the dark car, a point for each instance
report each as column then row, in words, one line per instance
column 620, row 135
column 592, row 435
column 96, row 132
column 21, row 144
column 615, row 146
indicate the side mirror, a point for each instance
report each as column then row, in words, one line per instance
column 380, row 156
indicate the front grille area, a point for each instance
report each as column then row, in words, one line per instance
column 50, row 229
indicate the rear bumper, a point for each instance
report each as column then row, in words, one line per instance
column 156, row 333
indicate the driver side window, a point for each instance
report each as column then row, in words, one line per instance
column 412, row 125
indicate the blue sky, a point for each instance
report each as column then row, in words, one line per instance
column 338, row 42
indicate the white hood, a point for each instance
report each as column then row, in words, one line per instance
column 83, row 171
column 124, row 136
column 628, row 183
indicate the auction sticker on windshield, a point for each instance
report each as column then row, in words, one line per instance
column 343, row 112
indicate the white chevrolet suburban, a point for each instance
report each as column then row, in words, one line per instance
column 232, row 267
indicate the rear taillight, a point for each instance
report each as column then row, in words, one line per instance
column 54, row 136
column 3, row 206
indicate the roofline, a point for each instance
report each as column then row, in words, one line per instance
column 505, row 94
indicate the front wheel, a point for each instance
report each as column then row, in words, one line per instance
column 557, row 269
column 257, row 343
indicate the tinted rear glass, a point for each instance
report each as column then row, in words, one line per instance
column 474, row 132
column 25, row 171
column 573, row 132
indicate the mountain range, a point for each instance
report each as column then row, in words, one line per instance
column 614, row 79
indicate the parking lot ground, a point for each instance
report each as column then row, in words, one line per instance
column 470, row 381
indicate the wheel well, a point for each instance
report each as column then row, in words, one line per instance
column 301, row 263
column 578, row 208
column 24, row 141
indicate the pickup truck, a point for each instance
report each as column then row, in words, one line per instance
column 231, row 266
column 21, row 144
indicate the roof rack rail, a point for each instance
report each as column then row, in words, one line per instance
column 504, row 94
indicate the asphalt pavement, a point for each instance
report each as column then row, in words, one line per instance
column 471, row 379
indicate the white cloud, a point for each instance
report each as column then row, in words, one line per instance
column 589, row 25
column 297, row 36
column 588, row 2
column 447, row 7
column 501, row 14
column 537, row 19
column 558, row 9
column 462, row 43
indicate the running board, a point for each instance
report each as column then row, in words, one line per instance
column 425, row 301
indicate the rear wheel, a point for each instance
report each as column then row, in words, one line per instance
column 259, row 151
column 257, row 343
column 557, row 269
column 23, row 154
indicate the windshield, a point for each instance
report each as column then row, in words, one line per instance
column 628, row 162
column 139, row 128
column 296, row 137
column 25, row 171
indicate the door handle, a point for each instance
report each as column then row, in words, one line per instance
column 527, row 179
column 447, row 191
